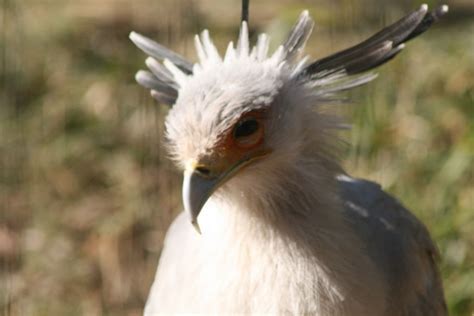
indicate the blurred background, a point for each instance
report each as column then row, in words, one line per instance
column 87, row 192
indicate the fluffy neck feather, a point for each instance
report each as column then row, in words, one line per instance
column 291, row 221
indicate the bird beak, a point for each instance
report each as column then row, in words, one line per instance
column 196, row 191
column 198, row 187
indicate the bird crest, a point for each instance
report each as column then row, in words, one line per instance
column 169, row 72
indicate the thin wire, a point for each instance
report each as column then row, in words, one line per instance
column 245, row 10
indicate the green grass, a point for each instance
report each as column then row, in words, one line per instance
column 87, row 192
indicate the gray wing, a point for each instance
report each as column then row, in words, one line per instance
column 398, row 243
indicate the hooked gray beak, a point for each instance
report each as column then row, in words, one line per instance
column 199, row 185
column 197, row 189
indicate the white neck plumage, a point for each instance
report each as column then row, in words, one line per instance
column 258, row 220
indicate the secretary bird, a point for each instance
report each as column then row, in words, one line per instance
column 284, row 229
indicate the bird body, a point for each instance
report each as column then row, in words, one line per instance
column 396, row 276
column 284, row 229
column 316, row 269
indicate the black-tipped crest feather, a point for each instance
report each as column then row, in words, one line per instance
column 368, row 54
column 148, row 80
column 168, row 68
column 298, row 36
column 161, row 72
column 160, row 52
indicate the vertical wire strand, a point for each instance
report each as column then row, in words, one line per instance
column 245, row 11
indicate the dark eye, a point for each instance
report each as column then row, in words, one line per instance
column 246, row 128
column 248, row 132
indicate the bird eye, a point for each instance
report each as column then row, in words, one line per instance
column 248, row 132
column 245, row 128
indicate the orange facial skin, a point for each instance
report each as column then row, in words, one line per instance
column 236, row 149
column 234, row 153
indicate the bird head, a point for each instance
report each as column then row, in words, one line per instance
column 232, row 115
column 247, row 113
